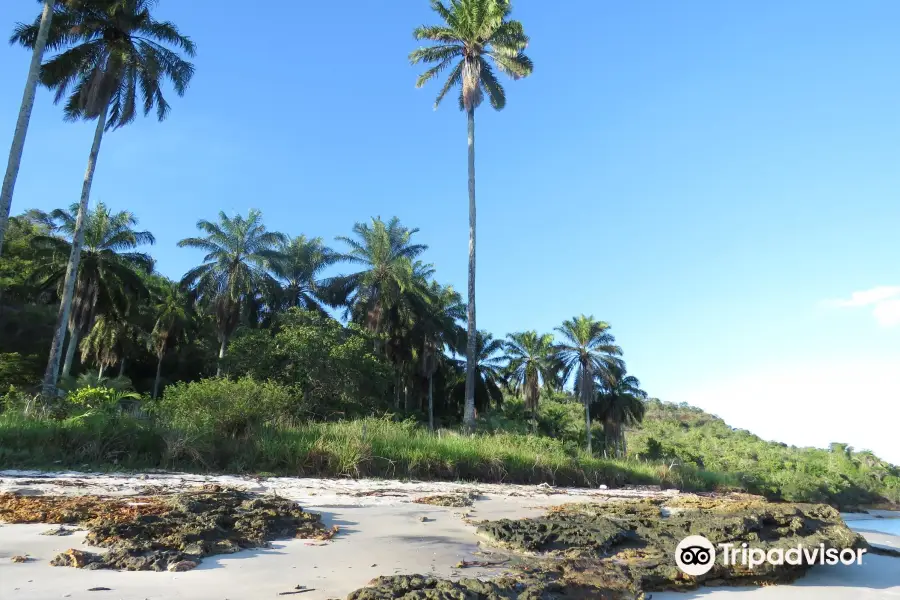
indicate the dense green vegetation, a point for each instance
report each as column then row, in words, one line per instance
column 684, row 435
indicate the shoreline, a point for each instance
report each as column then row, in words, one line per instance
column 382, row 532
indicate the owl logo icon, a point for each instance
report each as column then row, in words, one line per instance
column 695, row 555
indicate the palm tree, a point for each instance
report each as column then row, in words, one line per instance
column 239, row 254
column 386, row 255
column 116, row 54
column 301, row 262
column 488, row 371
column 172, row 312
column 532, row 365
column 108, row 342
column 18, row 143
column 440, row 330
column 588, row 350
column 475, row 33
column 619, row 403
column 108, row 279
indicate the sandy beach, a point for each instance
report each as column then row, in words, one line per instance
column 382, row 532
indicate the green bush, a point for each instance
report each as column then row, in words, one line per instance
column 331, row 367
column 227, row 407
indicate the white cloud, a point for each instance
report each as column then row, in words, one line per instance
column 884, row 300
column 887, row 313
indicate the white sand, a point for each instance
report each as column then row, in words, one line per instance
column 383, row 530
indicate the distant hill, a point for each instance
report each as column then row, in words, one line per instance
column 839, row 475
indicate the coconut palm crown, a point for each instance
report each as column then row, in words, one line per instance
column 475, row 34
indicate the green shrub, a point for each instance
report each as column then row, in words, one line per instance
column 331, row 367
column 99, row 398
column 226, row 407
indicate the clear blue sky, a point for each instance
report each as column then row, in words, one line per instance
column 709, row 177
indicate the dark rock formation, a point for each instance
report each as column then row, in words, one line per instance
column 619, row 550
column 172, row 533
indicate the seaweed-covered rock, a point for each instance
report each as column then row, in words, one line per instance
column 459, row 500
column 172, row 533
column 59, row 510
column 640, row 537
column 620, row 550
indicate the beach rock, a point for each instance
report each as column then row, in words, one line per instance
column 451, row 500
column 162, row 534
column 623, row 549
column 58, row 531
column 181, row 566
column 75, row 558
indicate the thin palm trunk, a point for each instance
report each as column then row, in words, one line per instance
column 469, row 414
column 122, row 368
column 100, row 370
column 397, row 393
column 62, row 317
column 70, row 351
column 158, row 376
column 18, row 143
column 586, row 381
column 430, row 403
column 222, row 348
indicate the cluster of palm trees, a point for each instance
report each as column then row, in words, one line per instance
column 249, row 275
column 114, row 56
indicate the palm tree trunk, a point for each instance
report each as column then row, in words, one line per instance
column 62, row 318
column 122, row 368
column 610, row 439
column 158, row 377
column 100, row 370
column 469, row 414
column 70, row 352
column 586, row 381
column 221, row 355
column 18, row 143
column 430, row 403
column 397, row 393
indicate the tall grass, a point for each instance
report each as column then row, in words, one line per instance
column 363, row 448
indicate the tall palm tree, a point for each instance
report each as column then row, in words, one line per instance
column 488, row 371
column 116, row 54
column 239, row 254
column 589, row 351
column 301, row 263
column 108, row 279
column 620, row 402
column 475, row 33
column 532, row 364
column 18, row 143
column 172, row 312
column 386, row 254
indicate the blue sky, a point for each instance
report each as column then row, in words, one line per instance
column 714, row 179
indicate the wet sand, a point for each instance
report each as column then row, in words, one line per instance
column 383, row 532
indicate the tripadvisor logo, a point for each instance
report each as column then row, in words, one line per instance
column 696, row 555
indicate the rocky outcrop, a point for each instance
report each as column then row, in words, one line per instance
column 620, row 550
column 167, row 533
